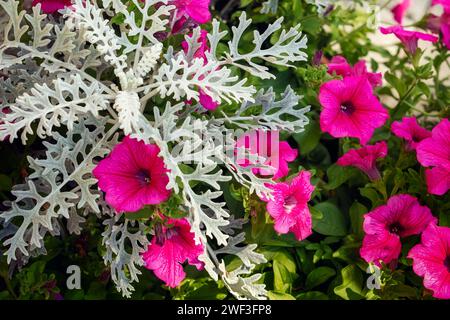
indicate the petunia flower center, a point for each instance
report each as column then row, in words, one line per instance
column 144, row 176
column 347, row 107
column 395, row 228
column 172, row 232
column 447, row 263
column 289, row 204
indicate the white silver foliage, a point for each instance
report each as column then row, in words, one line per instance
column 42, row 200
column 91, row 81
column 270, row 6
column 287, row 49
column 125, row 261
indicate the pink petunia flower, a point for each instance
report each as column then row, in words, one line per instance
column 289, row 207
column 401, row 217
column 205, row 100
column 365, row 159
column 197, row 10
column 409, row 130
column 170, row 249
column 435, row 152
column 441, row 23
column 350, row 109
column 133, row 176
column 399, row 10
column 341, row 67
column 52, row 6
column 267, row 145
column 409, row 38
column 431, row 260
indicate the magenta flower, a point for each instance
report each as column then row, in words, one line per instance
column 442, row 23
column 205, row 100
column 431, row 260
column 52, row 6
column 409, row 39
column 341, row 67
column 409, row 130
column 263, row 143
column 401, row 217
column 435, row 152
column 133, row 176
column 350, row 109
column 399, row 10
column 365, row 159
column 289, row 206
column 168, row 251
column 197, row 10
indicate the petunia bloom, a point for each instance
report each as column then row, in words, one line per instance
column 409, row 38
column 133, row 176
column 401, row 217
column 266, row 144
column 289, row 206
column 365, row 159
column 169, row 249
column 435, row 152
column 431, row 260
column 350, row 109
column 441, row 23
column 409, row 130
column 399, row 10
column 197, row 10
column 339, row 66
column 52, row 6
column 205, row 100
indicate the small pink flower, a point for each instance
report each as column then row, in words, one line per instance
column 410, row 131
column 170, row 249
column 289, row 207
column 341, row 67
column 350, row 109
column 266, row 144
column 401, row 217
column 365, row 159
column 435, row 152
column 400, row 10
column 197, row 10
column 431, row 260
column 205, row 100
column 133, row 176
column 441, row 24
column 409, row 39
column 52, row 6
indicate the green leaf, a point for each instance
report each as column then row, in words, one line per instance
column 273, row 295
column 282, row 277
column 308, row 139
column 312, row 295
column 332, row 223
column 319, row 276
column 5, row 182
column 352, row 281
column 357, row 211
column 337, row 175
column 144, row 213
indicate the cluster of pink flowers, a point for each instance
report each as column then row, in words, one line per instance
column 351, row 109
column 289, row 203
column 402, row 217
column 133, row 176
